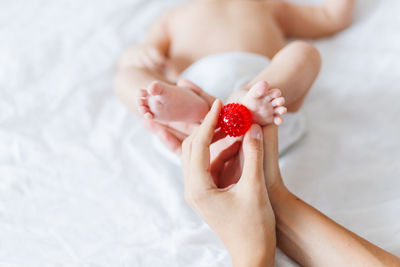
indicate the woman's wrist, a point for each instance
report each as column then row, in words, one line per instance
column 278, row 194
column 264, row 258
column 254, row 252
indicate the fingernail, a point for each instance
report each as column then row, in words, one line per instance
column 214, row 105
column 255, row 132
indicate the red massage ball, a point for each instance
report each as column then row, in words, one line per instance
column 234, row 119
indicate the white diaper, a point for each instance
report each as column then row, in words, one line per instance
column 221, row 74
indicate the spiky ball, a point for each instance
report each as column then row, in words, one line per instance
column 235, row 119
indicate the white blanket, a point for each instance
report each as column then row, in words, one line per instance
column 80, row 184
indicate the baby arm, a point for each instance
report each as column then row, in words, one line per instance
column 314, row 21
column 142, row 85
column 142, row 64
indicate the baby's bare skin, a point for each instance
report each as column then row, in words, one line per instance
column 204, row 27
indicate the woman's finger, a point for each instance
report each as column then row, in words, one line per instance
column 253, row 172
column 183, row 127
column 186, row 158
column 178, row 134
column 200, row 157
column 224, row 156
column 171, row 141
column 218, row 135
column 271, row 154
column 171, row 138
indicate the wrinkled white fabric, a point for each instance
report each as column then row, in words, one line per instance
column 82, row 185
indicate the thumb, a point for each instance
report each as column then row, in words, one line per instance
column 271, row 156
column 253, row 171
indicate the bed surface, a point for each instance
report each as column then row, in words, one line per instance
column 81, row 185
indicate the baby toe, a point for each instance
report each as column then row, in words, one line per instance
column 148, row 116
column 141, row 94
column 260, row 89
column 280, row 110
column 278, row 120
column 155, row 88
column 141, row 102
column 278, row 102
column 272, row 94
column 275, row 93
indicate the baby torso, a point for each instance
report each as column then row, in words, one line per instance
column 203, row 28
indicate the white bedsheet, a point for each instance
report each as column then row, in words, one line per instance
column 78, row 181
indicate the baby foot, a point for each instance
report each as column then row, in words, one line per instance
column 266, row 105
column 168, row 103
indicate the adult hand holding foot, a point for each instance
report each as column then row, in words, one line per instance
column 265, row 104
column 240, row 214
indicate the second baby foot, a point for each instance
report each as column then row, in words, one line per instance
column 168, row 103
column 265, row 104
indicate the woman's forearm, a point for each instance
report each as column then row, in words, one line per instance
column 312, row 239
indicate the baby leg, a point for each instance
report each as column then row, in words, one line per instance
column 292, row 70
column 169, row 103
column 162, row 100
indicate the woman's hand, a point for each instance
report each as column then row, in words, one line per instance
column 240, row 214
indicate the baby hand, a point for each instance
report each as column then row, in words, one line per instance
column 143, row 56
